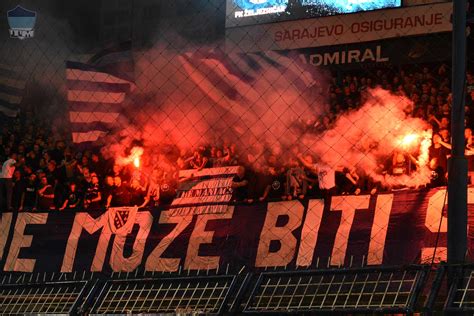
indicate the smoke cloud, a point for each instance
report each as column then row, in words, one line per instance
column 178, row 107
column 187, row 102
column 367, row 138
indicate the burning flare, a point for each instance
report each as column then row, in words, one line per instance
column 409, row 141
column 366, row 138
column 136, row 162
column 134, row 157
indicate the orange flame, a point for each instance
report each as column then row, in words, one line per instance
column 134, row 158
column 409, row 140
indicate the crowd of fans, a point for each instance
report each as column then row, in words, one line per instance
column 40, row 171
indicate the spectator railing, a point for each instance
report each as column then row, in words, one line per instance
column 375, row 289
column 461, row 293
column 338, row 290
column 186, row 293
column 44, row 293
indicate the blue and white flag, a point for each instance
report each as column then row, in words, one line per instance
column 252, row 86
column 12, row 90
column 97, row 90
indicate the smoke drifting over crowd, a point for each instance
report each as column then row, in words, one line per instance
column 367, row 137
column 263, row 104
column 190, row 101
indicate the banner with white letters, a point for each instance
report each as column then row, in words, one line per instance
column 390, row 228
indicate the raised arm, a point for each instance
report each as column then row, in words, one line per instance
column 109, row 200
column 444, row 144
column 265, row 193
column 307, row 164
column 239, row 184
column 63, row 206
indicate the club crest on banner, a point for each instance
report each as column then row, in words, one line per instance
column 121, row 219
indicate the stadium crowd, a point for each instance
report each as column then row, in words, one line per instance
column 42, row 171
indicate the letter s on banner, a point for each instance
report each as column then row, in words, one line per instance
column 284, row 234
column 432, row 222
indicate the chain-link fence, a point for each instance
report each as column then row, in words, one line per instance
column 209, row 135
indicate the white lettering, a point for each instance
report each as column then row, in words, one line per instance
column 348, row 206
column 20, row 240
column 378, row 234
column 309, row 234
column 154, row 262
column 201, row 236
column 282, row 234
column 117, row 261
column 84, row 221
column 5, row 224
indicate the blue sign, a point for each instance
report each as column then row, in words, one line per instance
column 259, row 4
column 248, row 12
column 22, row 22
column 349, row 6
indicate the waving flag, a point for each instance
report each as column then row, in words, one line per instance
column 97, row 90
column 12, row 89
column 248, row 85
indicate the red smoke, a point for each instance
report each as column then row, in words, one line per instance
column 177, row 108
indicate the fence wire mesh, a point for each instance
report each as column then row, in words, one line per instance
column 204, row 134
column 460, row 295
column 334, row 291
column 179, row 295
column 41, row 294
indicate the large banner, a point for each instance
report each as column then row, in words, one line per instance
column 393, row 228
column 345, row 29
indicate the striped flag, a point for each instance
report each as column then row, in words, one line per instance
column 238, row 77
column 12, row 90
column 252, row 87
column 97, row 90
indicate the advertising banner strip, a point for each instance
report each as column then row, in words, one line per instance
column 396, row 51
column 341, row 29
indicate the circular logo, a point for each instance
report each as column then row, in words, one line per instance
column 276, row 185
column 165, row 187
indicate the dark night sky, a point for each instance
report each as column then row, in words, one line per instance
column 81, row 20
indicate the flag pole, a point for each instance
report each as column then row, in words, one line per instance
column 457, row 171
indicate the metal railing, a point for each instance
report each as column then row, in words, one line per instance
column 381, row 290
column 351, row 290
column 43, row 293
column 206, row 294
